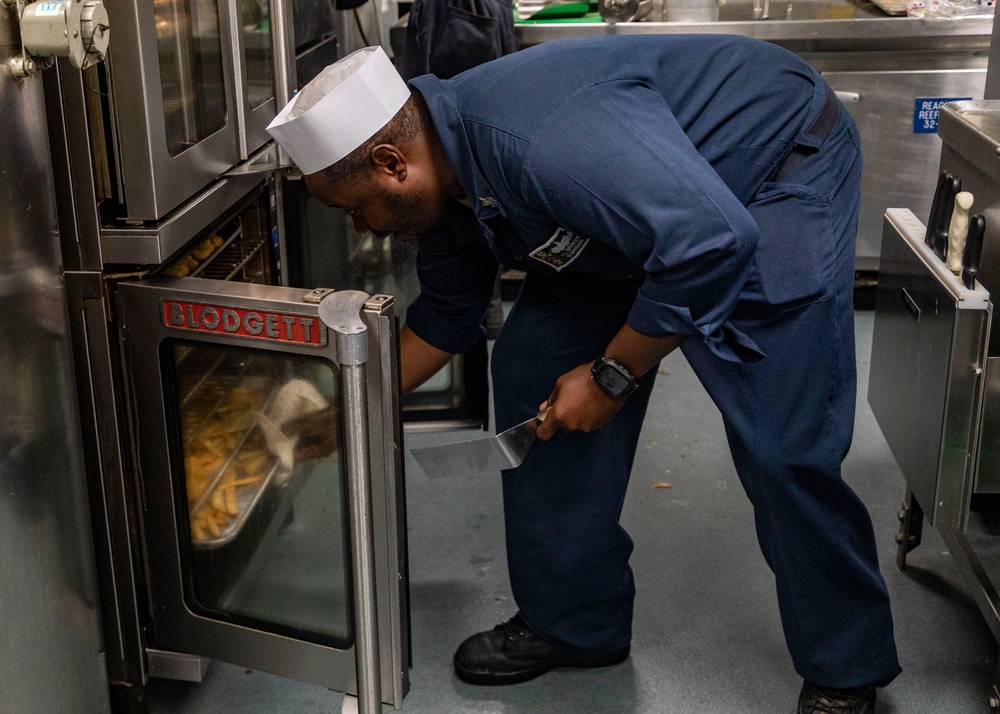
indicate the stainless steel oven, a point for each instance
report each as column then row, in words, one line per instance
column 257, row 556
column 213, row 542
column 191, row 87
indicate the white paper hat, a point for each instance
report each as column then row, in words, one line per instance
column 340, row 109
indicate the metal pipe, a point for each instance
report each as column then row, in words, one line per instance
column 366, row 652
column 341, row 312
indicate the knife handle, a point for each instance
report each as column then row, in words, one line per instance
column 973, row 250
column 957, row 230
column 932, row 219
column 952, row 187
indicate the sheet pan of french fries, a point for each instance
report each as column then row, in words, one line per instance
column 227, row 465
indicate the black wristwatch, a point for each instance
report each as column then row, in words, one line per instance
column 613, row 377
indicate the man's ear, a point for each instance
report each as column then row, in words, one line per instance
column 389, row 161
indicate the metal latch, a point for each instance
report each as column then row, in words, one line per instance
column 379, row 303
column 316, row 296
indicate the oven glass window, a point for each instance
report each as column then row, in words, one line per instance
column 379, row 265
column 191, row 80
column 257, row 48
column 264, row 514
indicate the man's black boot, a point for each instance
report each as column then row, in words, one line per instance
column 511, row 653
column 818, row 700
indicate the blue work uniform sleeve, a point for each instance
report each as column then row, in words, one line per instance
column 456, row 285
column 613, row 164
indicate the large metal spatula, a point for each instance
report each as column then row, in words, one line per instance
column 503, row 451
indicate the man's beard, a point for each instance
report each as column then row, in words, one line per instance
column 409, row 215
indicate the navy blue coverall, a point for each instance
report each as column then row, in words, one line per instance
column 632, row 179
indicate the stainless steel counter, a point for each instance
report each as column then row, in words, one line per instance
column 812, row 27
column 879, row 65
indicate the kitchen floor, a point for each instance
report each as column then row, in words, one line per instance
column 707, row 639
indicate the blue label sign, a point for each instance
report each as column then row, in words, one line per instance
column 926, row 110
column 48, row 8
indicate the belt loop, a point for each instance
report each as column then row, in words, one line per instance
column 828, row 115
column 820, row 128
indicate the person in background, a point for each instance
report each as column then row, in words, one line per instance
column 659, row 192
column 447, row 37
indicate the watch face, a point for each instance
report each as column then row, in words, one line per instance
column 612, row 380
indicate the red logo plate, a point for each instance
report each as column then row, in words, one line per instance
column 256, row 324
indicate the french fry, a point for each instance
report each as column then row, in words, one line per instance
column 256, row 463
column 218, row 500
column 231, row 501
column 198, row 530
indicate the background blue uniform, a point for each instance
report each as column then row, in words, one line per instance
column 630, row 178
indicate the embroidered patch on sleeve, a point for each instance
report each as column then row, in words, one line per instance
column 561, row 249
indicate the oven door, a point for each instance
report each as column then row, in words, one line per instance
column 268, row 546
column 253, row 60
column 191, row 94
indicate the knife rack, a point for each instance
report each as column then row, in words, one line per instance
column 934, row 385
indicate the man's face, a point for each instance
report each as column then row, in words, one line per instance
column 383, row 205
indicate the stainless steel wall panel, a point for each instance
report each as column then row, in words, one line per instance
column 874, row 33
column 113, row 491
column 884, row 115
column 50, row 643
column 992, row 90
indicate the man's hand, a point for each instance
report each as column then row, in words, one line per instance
column 577, row 404
column 317, row 433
